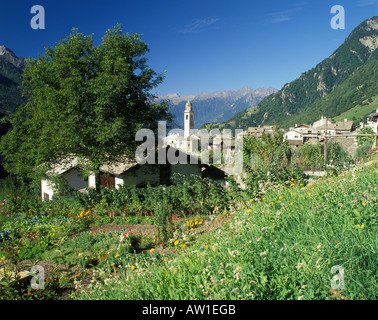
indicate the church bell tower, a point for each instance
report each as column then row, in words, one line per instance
column 188, row 120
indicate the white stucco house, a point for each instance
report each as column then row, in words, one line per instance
column 130, row 173
column 372, row 121
column 294, row 137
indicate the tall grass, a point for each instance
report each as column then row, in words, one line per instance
column 281, row 247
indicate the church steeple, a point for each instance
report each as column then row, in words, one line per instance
column 188, row 120
column 188, row 106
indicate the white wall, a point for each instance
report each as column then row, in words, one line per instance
column 293, row 135
column 118, row 181
column 46, row 188
column 92, row 181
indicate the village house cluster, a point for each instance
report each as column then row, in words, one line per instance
column 339, row 130
column 191, row 143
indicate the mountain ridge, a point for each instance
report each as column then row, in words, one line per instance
column 313, row 85
column 215, row 106
column 11, row 71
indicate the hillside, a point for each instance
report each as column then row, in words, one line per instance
column 306, row 98
column 217, row 106
column 283, row 246
column 11, row 69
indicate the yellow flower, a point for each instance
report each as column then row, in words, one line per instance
column 264, row 198
column 243, row 207
column 116, row 256
column 152, row 250
column 291, row 203
column 362, row 226
column 292, row 179
column 291, row 184
column 363, row 203
column 183, row 246
column 249, row 210
column 357, row 225
column 200, row 222
column 176, row 243
column 133, row 267
column 251, row 200
column 280, row 197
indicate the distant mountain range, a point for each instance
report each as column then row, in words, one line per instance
column 217, row 106
column 346, row 80
column 11, row 69
column 346, row 83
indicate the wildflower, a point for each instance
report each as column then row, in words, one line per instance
column 152, row 250
column 176, row 243
column 280, row 197
column 363, row 203
column 183, row 246
column 249, row 210
column 116, row 256
column 251, row 200
column 133, row 267
column 362, row 226
column 264, row 253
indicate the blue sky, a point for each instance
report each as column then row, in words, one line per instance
column 204, row 46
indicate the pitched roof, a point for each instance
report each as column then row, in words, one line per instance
column 338, row 126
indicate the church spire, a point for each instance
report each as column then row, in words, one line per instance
column 188, row 106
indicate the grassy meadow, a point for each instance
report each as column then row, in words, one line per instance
column 198, row 241
column 282, row 246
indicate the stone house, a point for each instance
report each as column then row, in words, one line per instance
column 130, row 173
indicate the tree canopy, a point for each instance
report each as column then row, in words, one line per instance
column 85, row 101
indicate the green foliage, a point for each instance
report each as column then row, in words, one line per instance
column 260, row 151
column 83, row 100
column 310, row 156
column 161, row 213
column 363, row 150
column 280, row 248
column 365, row 140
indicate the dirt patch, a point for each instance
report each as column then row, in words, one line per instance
column 50, row 269
column 146, row 230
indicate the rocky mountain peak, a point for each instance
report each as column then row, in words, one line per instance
column 8, row 55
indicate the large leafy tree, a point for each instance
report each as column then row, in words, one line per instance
column 85, row 101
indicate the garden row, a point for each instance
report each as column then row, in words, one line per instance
column 61, row 232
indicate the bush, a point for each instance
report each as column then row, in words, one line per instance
column 363, row 150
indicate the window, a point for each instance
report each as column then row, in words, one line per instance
column 186, row 117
